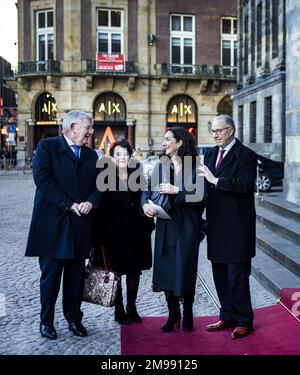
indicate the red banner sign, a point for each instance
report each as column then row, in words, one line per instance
column 110, row 63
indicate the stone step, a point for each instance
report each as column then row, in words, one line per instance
column 280, row 206
column 279, row 248
column 271, row 274
column 288, row 228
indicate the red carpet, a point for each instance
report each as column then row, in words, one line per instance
column 275, row 332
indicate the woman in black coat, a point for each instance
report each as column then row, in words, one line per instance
column 177, row 240
column 122, row 229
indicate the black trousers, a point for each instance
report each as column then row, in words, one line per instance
column 232, row 284
column 73, row 276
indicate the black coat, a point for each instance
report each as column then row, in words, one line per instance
column 123, row 230
column 61, row 180
column 230, row 208
column 177, row 240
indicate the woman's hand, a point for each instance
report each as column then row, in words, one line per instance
column 148, row 210
column 167, row 188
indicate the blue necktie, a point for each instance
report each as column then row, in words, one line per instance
column 76, row 151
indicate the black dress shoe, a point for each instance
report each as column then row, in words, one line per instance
column 48, row 332
column 77, row 329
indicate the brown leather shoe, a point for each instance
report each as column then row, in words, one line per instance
column 221, row 324
column 240, row 332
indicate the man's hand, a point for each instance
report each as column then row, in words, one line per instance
column 148, row 210
column 85, row 207
column 205, row 172
column 75, row 209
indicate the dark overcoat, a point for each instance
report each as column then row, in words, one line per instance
column 230, row 208
column 177, row 240
column 61, row 180
column 122, row 229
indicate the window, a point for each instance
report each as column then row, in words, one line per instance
column 110, row 31
column 268, row 120
column 44, row 36
column 252, row 122
column 259, row 34
column 274, row 28
column 182, row 44
column 246, row 44
column 229, row 41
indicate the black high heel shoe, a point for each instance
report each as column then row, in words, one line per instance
column 173, row 320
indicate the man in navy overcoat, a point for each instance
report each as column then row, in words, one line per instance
column 64, row 171
column 230, row 172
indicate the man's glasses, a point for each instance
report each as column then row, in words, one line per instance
column 218, row 131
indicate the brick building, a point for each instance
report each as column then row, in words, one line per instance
column 179, row 67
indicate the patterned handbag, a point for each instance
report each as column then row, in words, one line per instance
column 100, row 285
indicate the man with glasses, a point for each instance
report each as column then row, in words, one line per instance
column 230, row 172
column 64, row 171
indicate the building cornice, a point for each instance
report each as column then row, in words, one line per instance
column 259, row 85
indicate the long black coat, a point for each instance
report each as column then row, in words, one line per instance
column 230, row 208
column 61, row 180
column 123, row 230
column 177, row 240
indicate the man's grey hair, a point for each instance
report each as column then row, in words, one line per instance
column 228, row 121
column 73, row 117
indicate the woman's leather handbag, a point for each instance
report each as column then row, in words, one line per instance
column 100, row 285
column 162, row 200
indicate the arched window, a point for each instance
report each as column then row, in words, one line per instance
column 225, row 106
column 46, row 108
column 110, row 121
column 182, row 111
column 109, row 107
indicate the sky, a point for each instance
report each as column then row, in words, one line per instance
column 8, row 31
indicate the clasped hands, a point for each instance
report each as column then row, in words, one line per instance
column 205, row 172
column 164, row 188
column 81, row 208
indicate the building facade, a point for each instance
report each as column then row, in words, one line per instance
column 292, row 98
column 8, row 109
column 266, row 105
column 136, row 66
column 258, row 103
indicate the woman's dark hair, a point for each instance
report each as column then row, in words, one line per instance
column 188, row 147
column 122, row 143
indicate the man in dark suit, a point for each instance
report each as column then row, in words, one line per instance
column 64, row 171
column 230, row 172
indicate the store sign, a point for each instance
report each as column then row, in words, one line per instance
column 46, row 123
column 110, row 63
column 11, row 139
column 109, row 107
column 182, row 109
column 49, row 107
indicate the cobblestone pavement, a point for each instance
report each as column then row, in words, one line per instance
column 19, row 289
